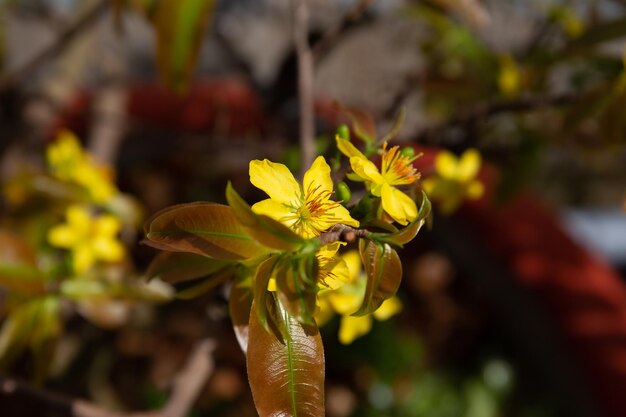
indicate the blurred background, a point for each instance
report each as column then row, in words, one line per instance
column 513, row 305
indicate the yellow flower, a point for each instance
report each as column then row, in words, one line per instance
column 510, row 77
column 69, row 162
column 308, row 210
column 455, row 179
column 396, row 169
column 90, row 239
column 346, row 298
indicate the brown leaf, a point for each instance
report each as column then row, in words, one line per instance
column 384, row 273
column 286, row 375
column 173, row 267
column 207, row 229
column 239, row 305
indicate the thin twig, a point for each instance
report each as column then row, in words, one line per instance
column 10, row 80
column 305, row 81
column 330, row 37
column 343, row 233
column 185, row 389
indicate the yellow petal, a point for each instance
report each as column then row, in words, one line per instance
column 388, row 308
column 276, row 180
column 341, row 215
column 107, row 225
column 338, row 276
column 277, row 211
column 271, row 285
column 398, row 205
column 348, row 149
column 353, row 262
column 446, row 164
column 62, row 236
column 83, row 258
column 429, row 184
column 475, row 190
column 352, row 328
column 79, row 219
column 347, row 300
column 106, row 249
column 366, row 169
column 468, row 166
column 324, row 311
column 317, row 179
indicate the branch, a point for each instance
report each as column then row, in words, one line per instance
column 343, row 233
column 10, row 80
column 305, row 81
column 185, row 389
column 329, row 38
column 479, row 113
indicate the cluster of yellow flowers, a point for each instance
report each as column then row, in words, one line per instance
column 89, row 235
column 309, row 210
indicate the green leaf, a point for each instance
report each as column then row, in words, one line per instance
column 296, row 281
column 286, row 374
column 239, row 306
column 384, row 273
column 207, row 229
column 173, row 267
column 264, row 229
column 408, row 233
column 180, row 27
column 264, row 272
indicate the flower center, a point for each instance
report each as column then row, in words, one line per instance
column 316, row 210
column 396, row 168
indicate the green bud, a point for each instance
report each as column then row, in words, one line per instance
column 343, row 192
column 343, row 132
column 408, row 151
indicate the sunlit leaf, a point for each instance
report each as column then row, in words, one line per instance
column 239, row 306
column 286, row 374
column 202, row 228
column 173, row 267
column 266, row 230
column 384, row 274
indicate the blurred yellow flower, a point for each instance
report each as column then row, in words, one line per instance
column 396, row 169
column 89, row 238
column 510, row 77
column 455, row 180
column 308, row 210
column 69, row 162
column 346, row 297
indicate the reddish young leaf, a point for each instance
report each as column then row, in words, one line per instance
column 173, row 267
column 296, row 280
column 240, row 305
column 286, row 374
column 207, row 229
column 266, row 230
column 384, row 273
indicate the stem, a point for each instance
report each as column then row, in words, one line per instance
column 305, row 82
